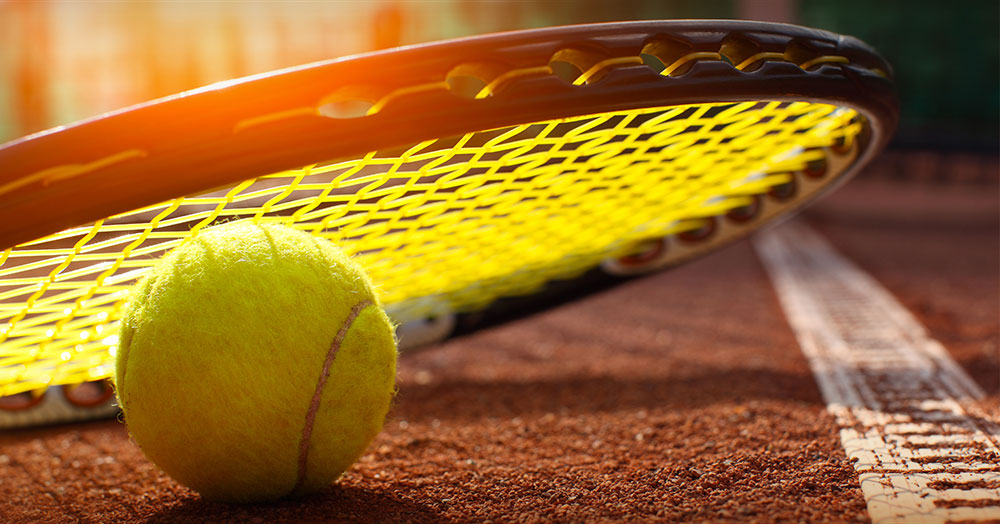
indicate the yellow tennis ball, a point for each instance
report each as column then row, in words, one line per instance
column 255, row 362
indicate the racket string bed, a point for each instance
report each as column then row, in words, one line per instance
column 449, row 224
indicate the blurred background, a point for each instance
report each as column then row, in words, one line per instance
column 64, row 61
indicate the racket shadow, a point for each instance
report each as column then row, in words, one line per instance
column 472, row 400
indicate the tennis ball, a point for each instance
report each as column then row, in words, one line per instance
column 254, row 363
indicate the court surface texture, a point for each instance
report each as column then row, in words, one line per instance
column 840, row 367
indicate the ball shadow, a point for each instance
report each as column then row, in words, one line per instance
column 338, row 503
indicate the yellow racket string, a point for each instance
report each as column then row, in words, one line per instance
column 443, row 225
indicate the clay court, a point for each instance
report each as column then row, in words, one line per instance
column 840, row 365
column 682, row 396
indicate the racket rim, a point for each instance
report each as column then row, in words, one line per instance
column 845, row 85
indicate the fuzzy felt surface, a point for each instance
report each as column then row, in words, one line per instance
column 255, row 362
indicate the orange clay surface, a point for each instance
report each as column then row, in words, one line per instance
column 682, row 396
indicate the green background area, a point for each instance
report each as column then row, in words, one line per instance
column 945, row 57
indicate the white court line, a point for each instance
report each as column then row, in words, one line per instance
column 922, row 449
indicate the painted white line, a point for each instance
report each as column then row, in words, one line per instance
column 922, row 449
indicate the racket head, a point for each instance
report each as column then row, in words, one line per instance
column 86, row 209
column 234, row 130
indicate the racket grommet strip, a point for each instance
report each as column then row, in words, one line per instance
column 22, row 401
column 699, row 234
column 815, row 168
column 784, row 191
column 842, row 146
column 88, row 394
column 650, row 251
column 745, row 214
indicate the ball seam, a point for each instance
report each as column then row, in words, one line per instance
column 331, row 355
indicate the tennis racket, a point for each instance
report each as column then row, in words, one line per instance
column 474, row 179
